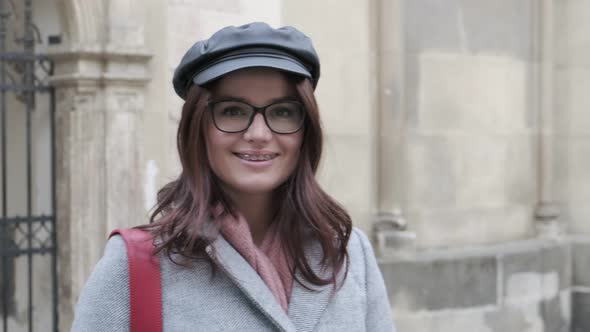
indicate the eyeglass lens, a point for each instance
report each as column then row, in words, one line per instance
column 234, row 116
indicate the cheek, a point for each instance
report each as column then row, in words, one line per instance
column 210, row 144
column 216, row 149
column 293, row 146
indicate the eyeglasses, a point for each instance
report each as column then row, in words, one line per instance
column 233, row 116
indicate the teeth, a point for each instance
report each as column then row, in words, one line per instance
column 252, row 157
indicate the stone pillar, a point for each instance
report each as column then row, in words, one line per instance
column 572, row 146
column 80, row 187
column 100, row 77
column 390, row 227
column 98, row 159
column 546, row 211
column 124, row 80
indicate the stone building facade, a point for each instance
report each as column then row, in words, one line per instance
column 457, row 135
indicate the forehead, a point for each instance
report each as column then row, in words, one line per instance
column 257, row 85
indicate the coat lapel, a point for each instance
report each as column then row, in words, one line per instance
column 307, row 306
column 249, row 282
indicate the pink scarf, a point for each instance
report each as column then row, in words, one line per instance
column 269, row 260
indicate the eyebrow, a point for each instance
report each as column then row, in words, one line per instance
column 245, row 100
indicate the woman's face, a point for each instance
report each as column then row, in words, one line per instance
column 257, row 160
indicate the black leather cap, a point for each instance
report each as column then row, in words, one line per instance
column 251, row 45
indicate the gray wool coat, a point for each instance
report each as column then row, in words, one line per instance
column 236, row 298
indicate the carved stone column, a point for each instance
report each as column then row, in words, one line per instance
column 547, row 211
column 99, row 98
column 124, row 82
column 390, row 227
column 101, row 69
column 80, row 186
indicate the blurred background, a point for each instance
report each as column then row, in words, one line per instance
column 457, row 136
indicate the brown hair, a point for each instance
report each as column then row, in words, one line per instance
column 304, row 209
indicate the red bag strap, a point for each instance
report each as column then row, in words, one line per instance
column 145, row 288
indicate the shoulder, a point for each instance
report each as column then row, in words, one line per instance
column 104, row 301
column 364, row 266
column 363, row 261
column 115, row 252
column 360, row 254
column 113, row 264
column 359, row 243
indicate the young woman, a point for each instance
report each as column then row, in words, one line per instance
column 246, row 238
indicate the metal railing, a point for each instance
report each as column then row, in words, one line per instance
column 23, row 75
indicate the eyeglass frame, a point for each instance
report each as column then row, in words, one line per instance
column 261, row 110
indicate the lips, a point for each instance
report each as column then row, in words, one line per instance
column 256, row 156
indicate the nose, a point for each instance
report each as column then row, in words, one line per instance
column 258, row 130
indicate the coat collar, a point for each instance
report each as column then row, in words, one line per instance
column 306, row 306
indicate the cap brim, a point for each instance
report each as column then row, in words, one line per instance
column 227, row 66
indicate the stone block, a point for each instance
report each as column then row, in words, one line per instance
column 469, row 227
column 466, row 171
column 581, row 264
column 556, row 312
column 451, row 320
column 580, row 311
column 344, row 94
column 547, row 315
column 346, row 173
column 514, row 318
column 561, row 168
column 473, row 93
column 572, row 100
column 501, row 26
column 519, row 286
column 349, row 33
column 579, row 214
column 571, row 26
column 519, row 159
column 441, row 284
column 573, row 182
column 480, row 186
column 478, row 27
column 481, row 169
column 518, row 318
column 431, row 172
column 442, row 33
column 579, row 159
column 537, row 272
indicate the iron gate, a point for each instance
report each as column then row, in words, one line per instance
column 27, row 235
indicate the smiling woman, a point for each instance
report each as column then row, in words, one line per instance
column 247, row 205
column 253, row 159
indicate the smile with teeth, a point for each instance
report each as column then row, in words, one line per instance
column 253, row 157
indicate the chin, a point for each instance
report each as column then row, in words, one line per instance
column 256, row 186
column 257, row 189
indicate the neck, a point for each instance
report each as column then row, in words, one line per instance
column 258, row 211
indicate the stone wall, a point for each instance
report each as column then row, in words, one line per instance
column 470, row 159
column 581, row 284
column 495, row 166
column 522, row 286
column 572, row 102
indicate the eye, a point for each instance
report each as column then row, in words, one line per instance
column 231, row 109
column 285, row 111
